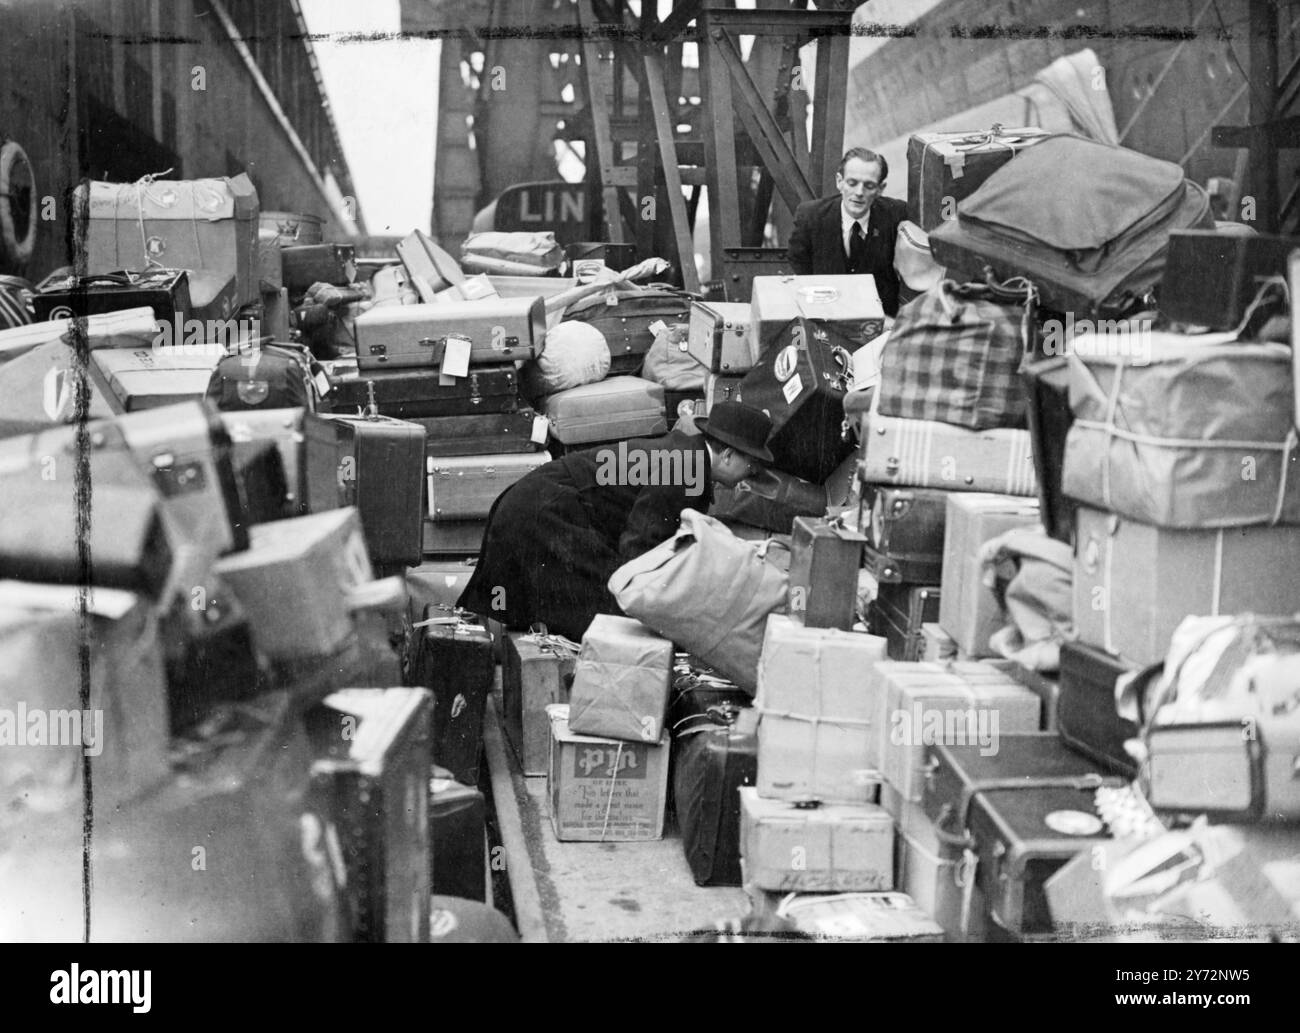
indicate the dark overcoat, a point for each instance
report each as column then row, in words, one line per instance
column 555, row 537
column 817, row 243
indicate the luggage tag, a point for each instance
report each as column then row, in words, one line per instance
column 541, row 430
column 455, row 358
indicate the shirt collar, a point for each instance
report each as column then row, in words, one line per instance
column 847, row 221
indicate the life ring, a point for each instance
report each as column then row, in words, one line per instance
column 16, row 177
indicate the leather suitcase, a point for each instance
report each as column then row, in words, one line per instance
column 1047, row 393
column 381, row 466
column 455, row 660
column 1211, row 278
column 128, row 537
column 308, row 446
column 413, row 394
column 615, row 409
column 166, row 291
column 719, row 337
column 436, row 583
column 489, row 434
column 138, row 378
column 905, row 532
column 188, row 452
column 1025, row 810
column 824, row 563
column 801, row 382
column 305, row 264
column 458, row 856
column 771, row 502
column 453, row 537
column 897, row 614
column 536, row 671
column 626, row 325
column 414, row 336
column 372, row 772
column 944, row 168
column 720, row 388
column 214, row 664
column 429, row 267
column 261, row 482
column 711, row 761
column 1086, row 717
column 464, row 487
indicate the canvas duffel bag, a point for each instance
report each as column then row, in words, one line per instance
column 708, row 591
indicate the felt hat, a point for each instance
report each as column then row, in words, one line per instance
column 742, row 427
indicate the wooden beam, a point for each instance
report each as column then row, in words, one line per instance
column 596, row 73
column 761, row 125
column 664, row 129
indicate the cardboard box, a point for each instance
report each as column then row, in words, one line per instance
column 815, row 735
column 621, row 681
column 833, row 848
column 144, row 378
column 968, row 610
column 537, row 671
column 1134, row 583
column 293, row 579
column 955, row 704
column 604, row 790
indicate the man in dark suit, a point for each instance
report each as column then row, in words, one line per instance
column 555, row 537
column 853, row 231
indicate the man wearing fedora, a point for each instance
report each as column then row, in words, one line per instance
column 853, row 231
column 555, row 537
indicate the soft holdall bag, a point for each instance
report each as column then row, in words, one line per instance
column 708, row 591
column 1088, row 223
column 954, row 353
column 519, row 253
column 671, row 363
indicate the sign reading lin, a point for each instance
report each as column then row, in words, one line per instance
column 566, row 209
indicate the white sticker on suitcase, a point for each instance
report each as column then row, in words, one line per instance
column 792, row 388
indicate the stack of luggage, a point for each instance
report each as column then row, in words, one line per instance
column 188, row 510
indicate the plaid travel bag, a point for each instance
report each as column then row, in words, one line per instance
column 954, row 353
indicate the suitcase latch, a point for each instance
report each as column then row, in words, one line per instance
column 474, row 397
